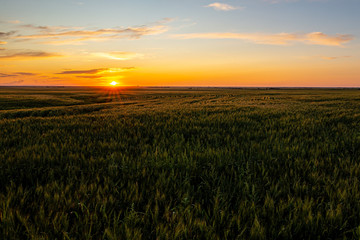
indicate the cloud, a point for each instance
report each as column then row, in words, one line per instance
column 14, row 82
column 165, row 20
column 98, row 71
column 314, row 38
column 3, row 42
column 78, row 41
column 45, row 29
column 11, row 21
column 2, row 48
column 65, row 35
column 333, row 58
column 120, row 55
column 35, row 27
column 91, row 71
column 7, row 34
column 26, row 73
column 222, row 6
column 92, row 76
column 3, row 75
column 320, row 38
column 28, row 54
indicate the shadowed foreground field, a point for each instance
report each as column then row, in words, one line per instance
column 92, row 163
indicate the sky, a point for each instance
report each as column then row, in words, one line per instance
column 234, row 43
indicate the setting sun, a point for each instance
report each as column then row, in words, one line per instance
column 113, row 83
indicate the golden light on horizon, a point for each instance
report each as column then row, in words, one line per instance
column 113, row 83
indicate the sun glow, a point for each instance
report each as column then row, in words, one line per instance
column 113, row 83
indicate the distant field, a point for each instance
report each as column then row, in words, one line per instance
column 179, row 163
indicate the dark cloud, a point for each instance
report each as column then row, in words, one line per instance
column 16, row 74
column 36, row 27
column 48, row 29
column 91, row 71
column 14, row 82
column 26, row 73
column 28, row 54
column 129, row 68
column 7, row 34
column 98, row 71
column 3, row 75
column 93, row 77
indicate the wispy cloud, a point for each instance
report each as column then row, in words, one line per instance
column 3, row 42
column 98, row 71
column 26, row 73
column 5, row 75
column 334, row 58
column 27, row 55
column 222, row 6
column 6, row 35
column 66, row 35
column 320, row 38
column 120, row 55
column 91, row 71
column 36, row 27
column 49, row 29
column 14, row 82
column 11, row 21
column 164, row 21
column 16, row 74
column 91, row 76
column 314, row 38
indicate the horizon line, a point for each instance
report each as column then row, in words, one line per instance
column 139, row 86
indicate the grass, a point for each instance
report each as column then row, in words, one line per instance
column 179, row 163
